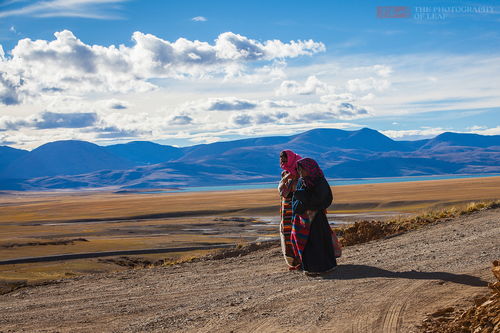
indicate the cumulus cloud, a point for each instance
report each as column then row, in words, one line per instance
column 11, row 124
column 279, row 104
column 304, row 113
column 382, row 70
column 113, row 132
column 329, row 111
column 231, row 104
column 68, row 64
column 117, row 105
column 311, row 86
column 241, row 119
column 50, row 120
column 64, row 120
column 180, row 119
column 348, row 110
column 9, row 89
column 365, row 84
column 259, row 112
column 263, row 118
column 219, row 104
column 344, row 97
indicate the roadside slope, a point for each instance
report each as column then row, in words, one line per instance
column 386, row 285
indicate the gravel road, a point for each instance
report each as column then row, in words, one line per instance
column 381, row 286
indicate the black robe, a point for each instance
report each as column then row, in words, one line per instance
column 318, row 255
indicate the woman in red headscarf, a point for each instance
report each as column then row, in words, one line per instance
column 311, row 236
column 289, row 177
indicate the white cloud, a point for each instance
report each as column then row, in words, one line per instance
column 223, row 102
column 180, row 119
column 67, row 65
column 329, row 112
column 49, row 120
column 241, row 119
column 284, row 104
column 117, row 104
column 230, row 104
column 476, row 128
column 414, row 134
column 231, row 46
column 383, row 70
column 482, row 130
column 369, row 83
column 311, row 86
column 237, row 73
column 219, row 104
column 431, row 132
column 9, row 86
column 368, row 97
column 94, row 9
column 199, row 19
column 344, row 97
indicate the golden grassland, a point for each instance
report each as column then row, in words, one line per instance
column 407, row 196
column 30, row 218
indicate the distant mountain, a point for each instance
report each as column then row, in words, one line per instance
column 64, row 158
column 163, row 175
column 145, row 152
column 366, row 139
column 393, row 167
column 8, row 155
column 207, row 152
column 448, row 139
column 341, row 154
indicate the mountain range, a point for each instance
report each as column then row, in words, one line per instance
column 341, row 154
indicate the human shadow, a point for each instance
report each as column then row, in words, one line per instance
column 350, row 272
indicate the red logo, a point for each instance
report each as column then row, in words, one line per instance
column 393, row 12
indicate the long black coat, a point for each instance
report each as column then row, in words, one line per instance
column 318, row 255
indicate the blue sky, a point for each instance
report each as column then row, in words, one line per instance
column 191, row 72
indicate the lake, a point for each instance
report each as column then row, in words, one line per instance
column 333, row 182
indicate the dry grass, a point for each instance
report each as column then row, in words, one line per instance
column 408, row 196
column 365, row 231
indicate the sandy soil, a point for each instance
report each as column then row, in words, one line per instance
column 381, row 286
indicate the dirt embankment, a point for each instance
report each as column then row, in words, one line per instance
column 483, row 316
column 388, row 285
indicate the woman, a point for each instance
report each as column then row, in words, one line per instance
column 311, row 235
column 289, row 177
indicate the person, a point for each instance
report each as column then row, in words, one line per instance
column 311, row 236
column 289, row 177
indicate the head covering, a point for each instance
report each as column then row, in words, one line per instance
column 291, row 162
column 314, row 172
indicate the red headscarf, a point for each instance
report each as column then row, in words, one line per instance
column 314, row 172
column 291, row 162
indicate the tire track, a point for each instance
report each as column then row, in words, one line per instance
column 393, row 312
column 387, row 314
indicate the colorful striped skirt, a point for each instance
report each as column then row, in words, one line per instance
column 286, row 232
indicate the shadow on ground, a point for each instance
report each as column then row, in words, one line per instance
column 349, row 272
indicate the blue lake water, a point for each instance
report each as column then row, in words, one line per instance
column 333, row 182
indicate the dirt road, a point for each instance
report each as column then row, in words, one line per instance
column 381, row 286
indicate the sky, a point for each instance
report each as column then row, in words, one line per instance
column 190, row 72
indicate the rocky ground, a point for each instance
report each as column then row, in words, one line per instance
column 388, row 285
